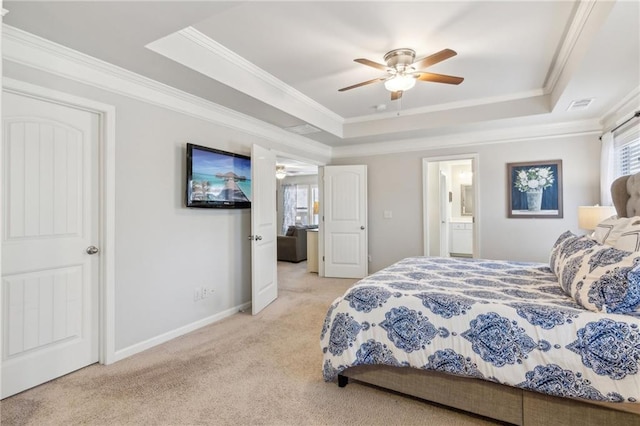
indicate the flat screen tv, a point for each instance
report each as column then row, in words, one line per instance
column 217, row 179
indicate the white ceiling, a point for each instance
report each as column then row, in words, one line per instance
column 283, row 62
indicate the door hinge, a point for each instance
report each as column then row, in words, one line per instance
column 323, row 258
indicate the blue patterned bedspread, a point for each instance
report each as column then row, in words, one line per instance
column 507, row 322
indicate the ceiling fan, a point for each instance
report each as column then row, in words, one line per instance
column 403, row 71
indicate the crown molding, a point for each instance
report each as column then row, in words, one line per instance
column 476, row 138
column 220, row 50
column 447, row 106
column 622, row 110
column 193, row 49
column 578, row 23
column 36, row 52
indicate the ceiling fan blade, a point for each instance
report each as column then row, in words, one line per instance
column 434, row 59
column 371, row 64
column 396, row 95
column 439, row 78
column 364, row 83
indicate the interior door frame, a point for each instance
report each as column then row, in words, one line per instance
column 106, row 146
column 474, row 157
column 320, row 165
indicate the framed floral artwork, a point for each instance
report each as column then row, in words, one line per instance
column 535, row 189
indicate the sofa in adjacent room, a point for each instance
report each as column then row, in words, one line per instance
column 292, row 247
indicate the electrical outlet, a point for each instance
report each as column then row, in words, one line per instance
column 197, row 294
column 203, row 292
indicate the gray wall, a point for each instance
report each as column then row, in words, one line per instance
column 395, row 183
column 163, row 251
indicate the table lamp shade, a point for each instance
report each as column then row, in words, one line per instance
column 590, row 216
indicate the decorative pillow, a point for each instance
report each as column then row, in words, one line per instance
column 566, row 246
column 603, row 229
column 557, row 247
column 568, row 262
column 603, row 279
column 629, row 238
column 609, row 230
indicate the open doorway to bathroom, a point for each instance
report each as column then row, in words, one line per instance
column 450, row 212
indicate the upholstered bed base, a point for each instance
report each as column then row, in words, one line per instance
column 492, row 400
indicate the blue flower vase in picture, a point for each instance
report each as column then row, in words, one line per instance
column 533, row 181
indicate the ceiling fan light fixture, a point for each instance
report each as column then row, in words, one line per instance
column 280, row 172
column 400, row 83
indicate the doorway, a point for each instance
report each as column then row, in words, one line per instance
column 71, row 296
column 297, row 207
column 450, row 209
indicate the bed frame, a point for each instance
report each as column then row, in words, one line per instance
column 501, row 402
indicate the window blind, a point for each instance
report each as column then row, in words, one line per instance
column 627, row 151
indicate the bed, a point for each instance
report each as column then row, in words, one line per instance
column 523, row 343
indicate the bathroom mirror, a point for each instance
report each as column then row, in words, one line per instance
column 466, row 205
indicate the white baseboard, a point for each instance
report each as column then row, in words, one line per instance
column 165, row 337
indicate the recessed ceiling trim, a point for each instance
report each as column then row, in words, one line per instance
column 454, row 117
column 487, row 137
column 447, row 106
column 193, row 49
column 580, row 18
column 626, row 106
column 589, row 19
column 36, row 52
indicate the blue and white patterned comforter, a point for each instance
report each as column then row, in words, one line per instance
column 507, row 322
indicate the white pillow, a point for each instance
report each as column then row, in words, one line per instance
column 629, row 238
column 609, row 230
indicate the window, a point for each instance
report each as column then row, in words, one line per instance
column 307, row 204
column 627, row 152
column 300, row 205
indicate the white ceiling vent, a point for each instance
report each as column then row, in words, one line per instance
column 303, row 129
column 579, row 105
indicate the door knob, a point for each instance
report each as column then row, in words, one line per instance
column 362, row 227
column 92, row 250
column 258, row 237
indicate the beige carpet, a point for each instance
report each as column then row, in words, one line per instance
column 244, row 370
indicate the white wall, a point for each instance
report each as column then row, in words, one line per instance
column 395, row 183
column 162, row 249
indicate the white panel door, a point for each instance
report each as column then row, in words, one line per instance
column 50, row 219
column 345, row 221
column 264, row 277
